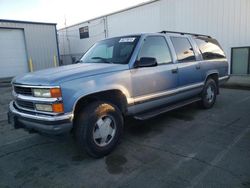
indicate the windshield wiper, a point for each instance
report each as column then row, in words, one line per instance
column 103, row 59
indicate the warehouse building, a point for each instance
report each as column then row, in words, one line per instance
column 27, row 46
column 226, row 20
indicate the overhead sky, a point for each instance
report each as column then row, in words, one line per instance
column 56, row 11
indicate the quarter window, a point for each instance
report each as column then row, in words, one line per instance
column 156, row 47
column 209, row 48
column 183, row 49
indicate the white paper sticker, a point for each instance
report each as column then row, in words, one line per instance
column 129, row 39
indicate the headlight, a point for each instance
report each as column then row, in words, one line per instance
column 53, row 92
column 41, row 92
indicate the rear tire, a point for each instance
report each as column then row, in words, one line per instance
column 99, row 128
column 208, row 95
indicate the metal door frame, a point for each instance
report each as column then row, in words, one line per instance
column 231, row 61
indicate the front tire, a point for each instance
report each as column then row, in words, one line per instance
column 208, row 95
column 99, row 128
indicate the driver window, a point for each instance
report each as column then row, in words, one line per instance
column 156, row 47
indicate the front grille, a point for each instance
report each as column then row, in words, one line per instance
column 23, row 90
column 25, row 104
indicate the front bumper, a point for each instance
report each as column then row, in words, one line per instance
column 45, row 124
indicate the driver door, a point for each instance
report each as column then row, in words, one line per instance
column 152, row 85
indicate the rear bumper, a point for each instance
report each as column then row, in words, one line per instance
column 45, row 124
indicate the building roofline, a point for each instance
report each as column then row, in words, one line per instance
column 112, row 13
column 26, row 22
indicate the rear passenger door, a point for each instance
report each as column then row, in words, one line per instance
column 189, row 70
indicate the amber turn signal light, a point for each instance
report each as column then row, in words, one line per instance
column 57, row 107
column 55, row 92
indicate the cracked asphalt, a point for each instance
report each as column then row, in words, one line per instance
column 188, row 147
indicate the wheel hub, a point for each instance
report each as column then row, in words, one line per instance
column 104, row 130
column 210, row 94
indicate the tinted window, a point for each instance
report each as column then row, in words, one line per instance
column 156, row 47
column 209, row 48
column 116, row 50
column 183, row 49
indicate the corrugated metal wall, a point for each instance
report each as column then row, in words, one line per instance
column 70, row 44
column 140, row 19
column 226, row 20
column 40, row 41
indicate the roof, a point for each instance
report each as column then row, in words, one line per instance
column 116, row 12
column 26, row 22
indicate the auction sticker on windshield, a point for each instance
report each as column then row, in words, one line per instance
column 129, row 39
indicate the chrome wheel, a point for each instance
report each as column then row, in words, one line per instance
column 104, row 131
column 210, row 94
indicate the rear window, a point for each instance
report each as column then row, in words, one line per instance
column 209, row 48
column 183, row 49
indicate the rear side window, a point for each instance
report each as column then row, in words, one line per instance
column 209, row 48
column 183, row 49
column 156, row 46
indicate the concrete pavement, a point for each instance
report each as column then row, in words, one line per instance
column 238, row 82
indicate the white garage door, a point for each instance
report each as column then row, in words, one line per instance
column 13, row 58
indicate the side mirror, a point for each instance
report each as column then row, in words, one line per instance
column 76, row 61
column 146, row 62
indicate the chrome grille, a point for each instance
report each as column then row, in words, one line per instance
column 23, row 90
column 25, row 104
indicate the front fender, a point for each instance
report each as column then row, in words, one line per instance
column 79, row 95
column 74, row 90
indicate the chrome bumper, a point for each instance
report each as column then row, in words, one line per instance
column 40, row 123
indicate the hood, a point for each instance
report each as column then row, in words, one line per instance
column 54, row 76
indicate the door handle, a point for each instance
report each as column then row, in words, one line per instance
column 174, row 71
column 198, row 66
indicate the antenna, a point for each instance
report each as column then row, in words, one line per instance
column 67, row 36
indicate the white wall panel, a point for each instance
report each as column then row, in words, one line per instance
column 141, row 19
column 226, row 20
column 13, row 56
column 70, row 44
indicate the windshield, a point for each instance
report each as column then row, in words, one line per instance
column 115, row 50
